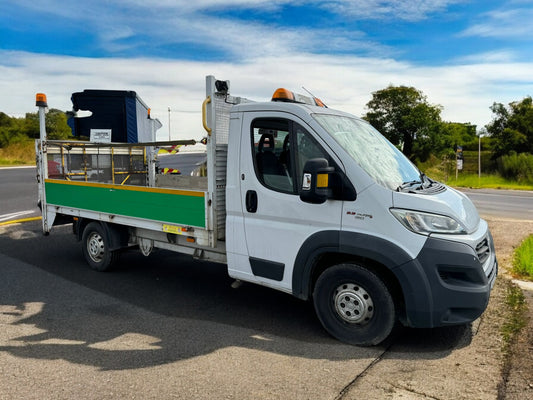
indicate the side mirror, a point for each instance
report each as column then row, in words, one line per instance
column 315, row 183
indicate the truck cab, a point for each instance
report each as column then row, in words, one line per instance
column 322, row 206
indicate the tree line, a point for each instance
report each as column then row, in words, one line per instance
column 404, row 115
column 16, row 130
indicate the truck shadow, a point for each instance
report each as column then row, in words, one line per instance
column 161, row 309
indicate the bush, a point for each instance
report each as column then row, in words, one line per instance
column 517, row 166
column 20, row 153
column 523, row 258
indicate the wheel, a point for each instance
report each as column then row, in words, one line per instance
column 354, row 305
column 95, row 246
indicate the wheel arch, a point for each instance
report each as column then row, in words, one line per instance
column 327, row 260
column 117, row 235
column 328, row 248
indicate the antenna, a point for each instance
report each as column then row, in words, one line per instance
column 314, row 97
column 308, row 91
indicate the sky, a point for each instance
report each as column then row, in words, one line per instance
column 464, row 55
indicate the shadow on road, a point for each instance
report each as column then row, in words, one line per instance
column 160, row 309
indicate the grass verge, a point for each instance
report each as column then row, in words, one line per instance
column 516, row 321
column 523, row 259
column 22, row 153
column 487, row 181
column 517, row 305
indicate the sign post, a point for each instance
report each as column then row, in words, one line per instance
column 459, row 160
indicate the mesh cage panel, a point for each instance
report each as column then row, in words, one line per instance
column 222, row 112
column 222, row 118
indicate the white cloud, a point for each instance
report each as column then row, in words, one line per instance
column 489, row 57
column 343, row 82
column 503, row 23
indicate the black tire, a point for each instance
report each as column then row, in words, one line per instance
column 95, row 247
column 354, row 305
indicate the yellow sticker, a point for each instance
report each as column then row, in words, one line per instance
column 177, row 230
column 322, row 180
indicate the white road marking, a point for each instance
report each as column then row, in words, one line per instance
column 14, row 215
column 19, row 167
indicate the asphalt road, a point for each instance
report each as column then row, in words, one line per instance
column 166, row 326
column 170, row 327
column 18, row 193
column 184, row 162
column 502, row 203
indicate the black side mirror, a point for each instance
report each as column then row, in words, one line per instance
column 315, row 184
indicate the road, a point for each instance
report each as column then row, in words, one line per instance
column 166, row 326
column 170, row 327
column 18, row 188
column 515, row 204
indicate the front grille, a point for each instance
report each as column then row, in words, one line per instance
column 492, row 273
column 483, row 251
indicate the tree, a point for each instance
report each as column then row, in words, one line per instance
column 14, row 130
column 458, row 134
column 403, row 115
column 55, row 122
column 512, row 127
column 10, row 130
column 56, row 125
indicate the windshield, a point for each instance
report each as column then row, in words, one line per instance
column 375, row 154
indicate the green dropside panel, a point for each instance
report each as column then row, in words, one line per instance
column 147, row 203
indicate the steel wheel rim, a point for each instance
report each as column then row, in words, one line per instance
column 96, row 247
column 353, row 304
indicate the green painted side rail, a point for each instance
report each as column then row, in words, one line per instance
column 166, row 205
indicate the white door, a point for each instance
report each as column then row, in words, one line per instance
column 276, row 221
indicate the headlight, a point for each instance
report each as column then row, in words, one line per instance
column 426, row 223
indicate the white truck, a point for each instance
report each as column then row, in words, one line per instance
column 297, row 197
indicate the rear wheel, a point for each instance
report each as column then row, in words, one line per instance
column 95, row 246
column 354, row 305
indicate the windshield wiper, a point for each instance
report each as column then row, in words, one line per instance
column 418, row 184
column 410, row 186
column 427, row 182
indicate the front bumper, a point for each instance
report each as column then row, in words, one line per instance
column 449, row 283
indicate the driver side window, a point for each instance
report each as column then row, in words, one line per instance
column 280, row 149
column 308, row 148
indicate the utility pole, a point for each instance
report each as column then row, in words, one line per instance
column 169, row 139
column 479, row 158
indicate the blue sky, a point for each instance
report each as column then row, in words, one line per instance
column 463, row 54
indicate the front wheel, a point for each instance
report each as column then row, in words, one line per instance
column 354, row 305
column 95, row 246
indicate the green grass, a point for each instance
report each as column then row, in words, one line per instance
column 486, row 181
column 523, row 259
column 443, row 170
column 516, row 303
column 22, row 153
column 515, row 322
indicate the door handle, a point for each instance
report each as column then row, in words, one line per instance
column 251, row 201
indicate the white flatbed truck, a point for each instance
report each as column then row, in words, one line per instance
column 298, row 197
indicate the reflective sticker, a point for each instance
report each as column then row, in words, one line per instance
column 170, row 171
column 177, row 230
column 322, row 181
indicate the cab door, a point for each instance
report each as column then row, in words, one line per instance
column 276, row 221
